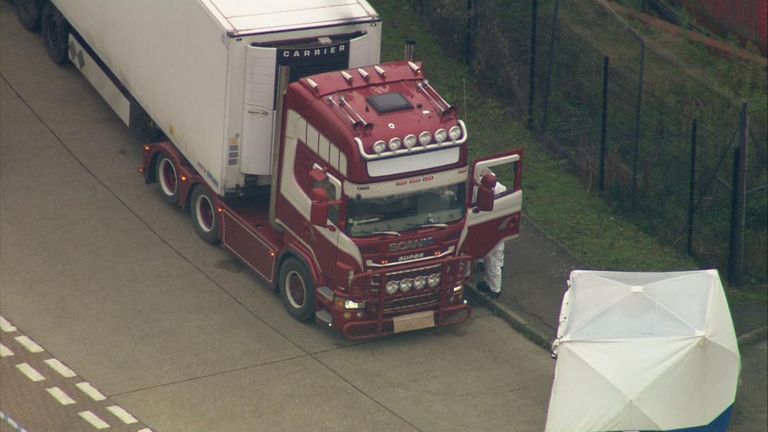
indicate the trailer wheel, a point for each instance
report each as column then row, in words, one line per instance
column 296, row 289
column 55, row 34
column 205, row 215
column 168, row 179
column 28, row 12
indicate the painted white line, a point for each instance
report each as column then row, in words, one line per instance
column 30, row 372
column 146, row 430
column 60, row 367
column 93, row 419
column 122, row 414
column 17, row 427
column 60, row 396
column 4, row 351
column 6, row 326
column 29, row 344
column 91, row 391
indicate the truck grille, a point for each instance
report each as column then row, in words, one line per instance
column 405, row 304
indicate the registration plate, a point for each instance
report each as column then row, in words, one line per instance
column 414, row 321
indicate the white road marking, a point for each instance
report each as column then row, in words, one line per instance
column 93, row 419
column 29, row 344
column 91, row 391
column 60, row 367
column 6, row 326
column 4, row 351
column 60, row 396
column 30, row 372
column 146, row 430
column 122, row 414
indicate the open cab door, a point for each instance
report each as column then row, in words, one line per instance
column 492, row 221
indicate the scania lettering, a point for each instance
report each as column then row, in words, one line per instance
column 343, row 182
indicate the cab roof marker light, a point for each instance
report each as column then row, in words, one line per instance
column 312, row 84
column 414, row 67
column 363, row 74
column 379, row 70
column 347, row 77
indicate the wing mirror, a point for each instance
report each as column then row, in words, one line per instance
column 319, row 212
column 485, row 195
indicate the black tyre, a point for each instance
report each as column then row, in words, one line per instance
column 297, row 289
column 28, row 12
column 205, row 215
column 167, row 178
column 55, row 34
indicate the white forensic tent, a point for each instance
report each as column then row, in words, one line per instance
column 643, row 351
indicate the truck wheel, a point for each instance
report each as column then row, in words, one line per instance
column 28, row 12
column 297, row 290
column 205, row 215
column 55, row 34
column 168, row 179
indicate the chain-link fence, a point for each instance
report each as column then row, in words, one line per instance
column 622, row 107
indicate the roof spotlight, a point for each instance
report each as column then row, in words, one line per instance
column 379, row 147
column 395, row 143
column 441, row 135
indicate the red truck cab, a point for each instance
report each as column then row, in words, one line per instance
column 370, row 226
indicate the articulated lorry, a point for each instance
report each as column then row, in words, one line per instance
column 343, row 182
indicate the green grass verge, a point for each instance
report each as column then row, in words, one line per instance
column 558, row 202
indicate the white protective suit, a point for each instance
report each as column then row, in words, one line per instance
column 495, row 258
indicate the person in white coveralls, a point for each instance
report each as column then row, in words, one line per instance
column 494, row 261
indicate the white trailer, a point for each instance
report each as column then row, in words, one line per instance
column 206, row 71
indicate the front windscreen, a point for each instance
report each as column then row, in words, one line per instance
column 398, row 213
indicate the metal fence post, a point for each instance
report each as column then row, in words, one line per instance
column 550, row 66
column 604, row 125
column 532, row 62
column 738, row 202
column 638, row 111
column 469, row 33
column 692, row 187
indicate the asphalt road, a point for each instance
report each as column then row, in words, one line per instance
column 108, row 280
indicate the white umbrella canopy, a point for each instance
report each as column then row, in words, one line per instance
column 643, row 351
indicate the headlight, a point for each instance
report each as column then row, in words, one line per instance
column 440, row 135
column 433, row 280
column 379, row 146
column 409, row 141
column 425, row 138
column 392, row 287
column 349, row 304
column 406, row 284
column 420, row 282
column 454, row 133
column 395, row 144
